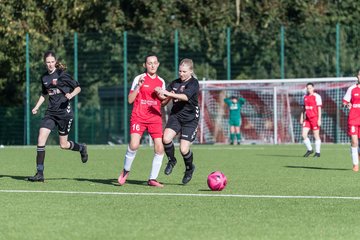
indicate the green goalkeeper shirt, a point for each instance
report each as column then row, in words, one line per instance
column 235, row 108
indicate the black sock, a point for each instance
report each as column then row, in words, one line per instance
column 75, row 146
column 170, row 151
column 40, row 157
column 188, row 160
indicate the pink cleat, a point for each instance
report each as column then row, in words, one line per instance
column 123, row 176
column 155, row 183
column 355, row 168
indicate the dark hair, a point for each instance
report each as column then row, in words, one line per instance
column 310, row 83
column 233, row 97
column 58, row 64
column 150, row 55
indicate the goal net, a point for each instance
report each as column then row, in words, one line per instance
column 272, row 109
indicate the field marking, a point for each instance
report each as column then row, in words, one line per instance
column 181, row 194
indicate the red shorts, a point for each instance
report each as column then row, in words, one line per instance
column 354, row 130
column 311, row 123
column 155, row 130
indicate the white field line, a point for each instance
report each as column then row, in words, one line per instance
column 181, row 194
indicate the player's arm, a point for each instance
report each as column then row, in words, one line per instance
column 75, row 92
column 38, row 104
column 347, row 98
column 165, row 101
column 135, row 88
column 66, row 79
column 191, row 89
column 227, row 101
column 318, row 105
column 241, row 100
column 319, row 115
column 179, row 96
column 302, row 116
column 41, row 100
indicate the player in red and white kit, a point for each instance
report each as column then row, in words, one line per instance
column 310, row 119
column 146, row 114
column 352, row 101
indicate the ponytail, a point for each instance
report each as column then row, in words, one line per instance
column 60, row 66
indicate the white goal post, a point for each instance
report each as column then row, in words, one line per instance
column 272, row 109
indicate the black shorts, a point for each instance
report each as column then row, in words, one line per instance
column 63, row 124
column 187, row 130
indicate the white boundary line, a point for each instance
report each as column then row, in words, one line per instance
column 181, row 194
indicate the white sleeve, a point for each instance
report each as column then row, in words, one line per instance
column 135, row 82
column 163, row 83
column 347, row 97
column 318, row 100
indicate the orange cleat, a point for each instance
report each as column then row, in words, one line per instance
column 155, row 183
column 355, row 168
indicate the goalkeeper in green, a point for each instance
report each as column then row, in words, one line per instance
column 234, row 105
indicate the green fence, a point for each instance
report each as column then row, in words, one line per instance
column 106, row 63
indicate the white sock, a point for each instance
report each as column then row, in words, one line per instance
column 354, row 155
column 129, row 158
column 156, row 165
column 317, row 146
column 308, row 144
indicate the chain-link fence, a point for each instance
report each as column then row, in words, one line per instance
column 106, row 63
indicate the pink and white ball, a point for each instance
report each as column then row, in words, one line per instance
column 216, row 181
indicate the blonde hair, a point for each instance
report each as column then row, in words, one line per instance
column 188, row 62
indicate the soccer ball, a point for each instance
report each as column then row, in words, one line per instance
column 216, row 181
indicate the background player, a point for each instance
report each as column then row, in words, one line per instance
column 234, row 105
column 310, row 118
column 352, row 101
column 184, row 117
column 61, row 88
column 146, row 114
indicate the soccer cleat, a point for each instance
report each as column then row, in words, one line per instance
column 39, row 177
column 154, row 183
column 308, row 153
column 123, row 176
column 169, row 167
column 316, row 155
column 188, row 175
column 355, row 168
column 84, row 154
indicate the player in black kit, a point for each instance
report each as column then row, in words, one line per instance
column 183, row 119
column 61, row 88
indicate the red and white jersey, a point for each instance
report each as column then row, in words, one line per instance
column 147, row 105
column 352, row 96
column 311, row 104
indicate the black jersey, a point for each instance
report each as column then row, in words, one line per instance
column 56, row 85
column 185, row 111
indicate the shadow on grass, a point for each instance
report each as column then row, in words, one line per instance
column 22, row 178
column 110, row 181
column 278, row 155
column 205, row 190
column 319, row 168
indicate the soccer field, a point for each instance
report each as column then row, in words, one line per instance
column 272, row 193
